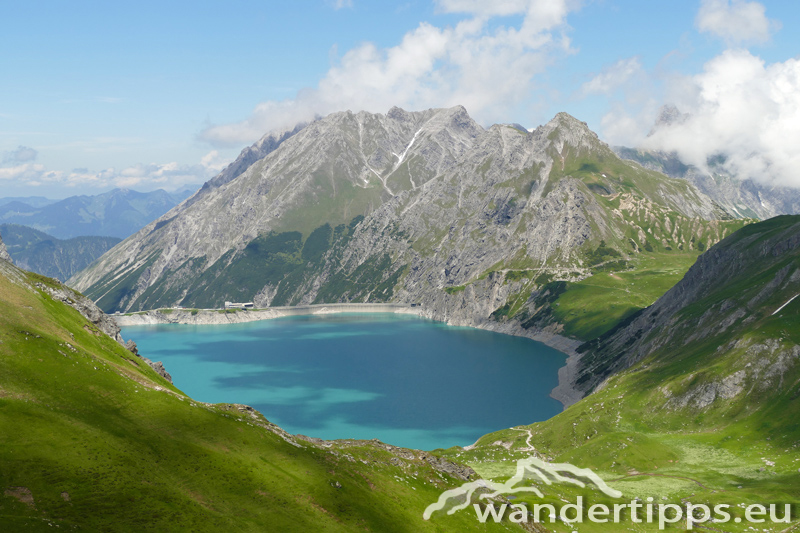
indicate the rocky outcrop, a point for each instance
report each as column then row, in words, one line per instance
column 85, row 307
column 157, row 366
column 3, row 252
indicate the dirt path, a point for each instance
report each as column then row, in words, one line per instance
column 528, row 446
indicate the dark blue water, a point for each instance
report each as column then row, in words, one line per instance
column 401, row 379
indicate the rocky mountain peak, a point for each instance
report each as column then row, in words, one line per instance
column 266, row 145
column 564, row 130
column 668, row 115
column 399, row 114
column 455, row 119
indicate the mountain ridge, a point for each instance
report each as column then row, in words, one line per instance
column 663, row 324
column 116, row 213
column 425, row 207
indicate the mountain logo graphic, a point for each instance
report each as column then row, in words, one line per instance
column 531, row 468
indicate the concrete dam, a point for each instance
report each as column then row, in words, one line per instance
column 232, row 316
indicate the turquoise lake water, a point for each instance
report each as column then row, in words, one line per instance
column 404, row 380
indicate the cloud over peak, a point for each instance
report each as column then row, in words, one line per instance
column 487, row 68
column 744, row 110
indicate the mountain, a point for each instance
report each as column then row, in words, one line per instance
column 741, row 197
column 266, row 145
column 95, row 439
column 31, row 201
column 425, row 207
column 117, row 213
column 55, row 258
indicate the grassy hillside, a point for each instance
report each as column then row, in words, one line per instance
column 708, row 409
column 704, row 412
column 91, row 439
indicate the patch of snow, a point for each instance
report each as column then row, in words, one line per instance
column 402, row 157
column 784, row 305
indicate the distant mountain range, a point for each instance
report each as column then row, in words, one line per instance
column 32, row 201
column 44, row 254
column 117, row 213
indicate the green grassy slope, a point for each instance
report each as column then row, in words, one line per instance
column 708, row 412
column 91, row 439
column 590, row 307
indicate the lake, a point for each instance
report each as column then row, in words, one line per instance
column 402, row 379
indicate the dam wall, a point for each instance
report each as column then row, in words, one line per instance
column 234, row 316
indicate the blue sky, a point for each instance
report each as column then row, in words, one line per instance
column 159, row 94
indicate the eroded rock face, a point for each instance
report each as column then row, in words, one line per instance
column 3, row 252
column 158, row 367
column 85, row 307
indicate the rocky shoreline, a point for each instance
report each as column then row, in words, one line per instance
column 565, row 392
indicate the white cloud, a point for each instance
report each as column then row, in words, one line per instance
column 742, row 109
column 22, row 154
column 613, row 77
column 340, row 4
column 26, row 172
column 738, row 109
column 487, row 69
column 541, row 13
column 736, row 21
column 142, row 176
column 213, row 161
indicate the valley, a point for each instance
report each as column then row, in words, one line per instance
column 678, row 317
